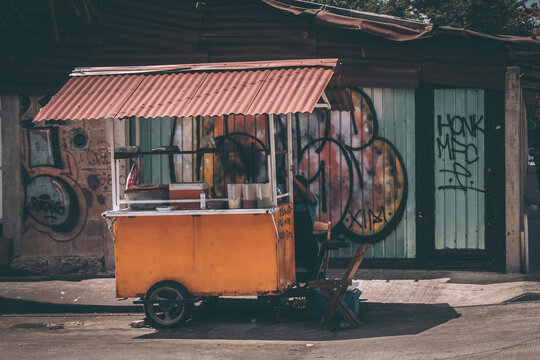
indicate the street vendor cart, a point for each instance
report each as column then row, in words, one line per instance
column 172, row 250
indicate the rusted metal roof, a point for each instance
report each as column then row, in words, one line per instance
column 385, row 26
column 271, row 87
column 93, row 98
column 370, row 46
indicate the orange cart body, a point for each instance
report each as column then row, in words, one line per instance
column 211, row 255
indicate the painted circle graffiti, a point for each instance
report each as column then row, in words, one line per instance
column 51, row 202
column 80, row 140
column 364, row 121
column 359, row 177
column 327, row 165
column 380, row 190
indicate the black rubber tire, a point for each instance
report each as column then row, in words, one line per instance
column 165, row 315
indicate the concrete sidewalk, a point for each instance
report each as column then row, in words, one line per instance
column 454, row 288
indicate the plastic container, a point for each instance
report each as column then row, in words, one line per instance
column 249, row 195
column 316, row 304
column 264, row 195
column 203, row 200
column 186, row 191
column 234, row 195
column 147, row 192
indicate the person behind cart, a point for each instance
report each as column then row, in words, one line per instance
column 305, row 211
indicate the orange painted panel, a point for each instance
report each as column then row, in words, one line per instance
column 285, row 226
column 227, row 254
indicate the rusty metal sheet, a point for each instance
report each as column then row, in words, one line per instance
column 288, row 90
column 272, row 87
column 227, row 93
column 95, row 98
column 389, row 27
column 162, row 94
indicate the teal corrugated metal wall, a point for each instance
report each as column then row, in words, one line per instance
column 459, row 169
column 154, row 133
column 395, row 109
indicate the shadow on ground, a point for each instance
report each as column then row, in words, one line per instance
column 251, row 319
column 233, row 319
column 16, row 306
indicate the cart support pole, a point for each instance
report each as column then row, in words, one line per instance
column 113, row 178
column 113, row 172
column 273, row 184
column 289, row 158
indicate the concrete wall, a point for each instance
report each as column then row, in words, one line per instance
column 64, row 186
column 515, row 168
column 11, row 175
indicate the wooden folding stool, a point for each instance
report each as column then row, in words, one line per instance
column 334, row 290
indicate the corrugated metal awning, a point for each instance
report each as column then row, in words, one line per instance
column 249, row 88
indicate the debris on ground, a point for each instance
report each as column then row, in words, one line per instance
column 73, row 324
column 55, row 326
column 137, row 324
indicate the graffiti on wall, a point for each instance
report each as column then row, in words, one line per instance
column 52, row 202
column 358, row 176
column 43, row 147
column 62, row 179
column 457, row 143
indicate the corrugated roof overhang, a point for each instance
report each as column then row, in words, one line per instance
column 249, row 88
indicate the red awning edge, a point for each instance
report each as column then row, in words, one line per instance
column 248, row 88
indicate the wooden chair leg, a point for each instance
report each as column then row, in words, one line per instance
column 328, row 294
column 348, row 314
column 339, row 306
column 331, row 306
column 335, row 295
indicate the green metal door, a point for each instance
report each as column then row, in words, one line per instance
column 459, row 169
column 154, row 133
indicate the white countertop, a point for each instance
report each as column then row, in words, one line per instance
column 132, row 213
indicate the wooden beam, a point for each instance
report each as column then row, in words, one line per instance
column 512, row 134
column 11, row 172
column 55, row 24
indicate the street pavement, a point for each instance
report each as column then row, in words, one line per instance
column 405, row 315
column 242, row 330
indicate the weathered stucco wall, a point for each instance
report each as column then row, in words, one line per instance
column 66, row 183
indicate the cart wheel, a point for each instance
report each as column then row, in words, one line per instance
column 165, row 313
